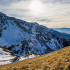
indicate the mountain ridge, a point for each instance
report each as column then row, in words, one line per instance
column 22, row 38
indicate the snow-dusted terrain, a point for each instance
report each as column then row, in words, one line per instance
column 22, row 38
column 6, row 57
column 25, row 57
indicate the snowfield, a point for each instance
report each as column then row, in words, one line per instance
column 6, row 57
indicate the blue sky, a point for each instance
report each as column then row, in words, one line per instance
column 51, row 13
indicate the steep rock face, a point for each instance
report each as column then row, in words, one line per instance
column 22, row 37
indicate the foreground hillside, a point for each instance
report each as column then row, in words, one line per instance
column 57, row 60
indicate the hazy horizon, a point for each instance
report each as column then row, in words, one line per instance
column 50, row 13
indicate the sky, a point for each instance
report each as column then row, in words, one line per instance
column 50, row 13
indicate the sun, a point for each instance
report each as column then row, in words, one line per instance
column 36, row 7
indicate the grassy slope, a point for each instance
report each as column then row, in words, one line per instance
column 57, row 60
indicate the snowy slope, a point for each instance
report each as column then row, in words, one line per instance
column 5, row 57
column 22, row 38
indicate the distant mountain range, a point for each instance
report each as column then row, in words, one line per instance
column 63, row 30
column 22, row 38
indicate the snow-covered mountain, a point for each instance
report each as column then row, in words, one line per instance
column 21, row 37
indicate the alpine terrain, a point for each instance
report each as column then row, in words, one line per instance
column 22, row 38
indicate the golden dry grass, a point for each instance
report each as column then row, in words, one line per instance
column 57, row 60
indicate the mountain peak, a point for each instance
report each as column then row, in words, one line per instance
column 2, row 13
column 2, row 16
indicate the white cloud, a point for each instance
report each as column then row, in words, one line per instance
column 57, row 1
column 55, row 11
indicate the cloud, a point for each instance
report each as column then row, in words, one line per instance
column 55, row 11
column 43, row 20
column 57, row 1
column 7, row 2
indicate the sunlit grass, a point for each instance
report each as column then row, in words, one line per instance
column 57, row 60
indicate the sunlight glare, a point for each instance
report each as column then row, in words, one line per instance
column 36, row 7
